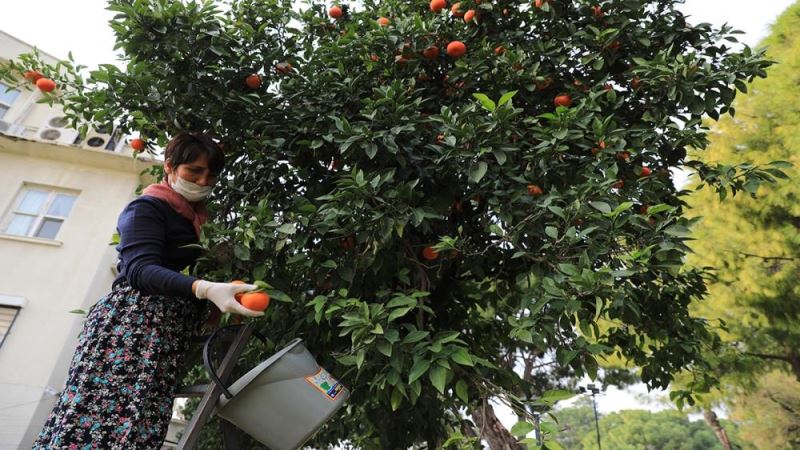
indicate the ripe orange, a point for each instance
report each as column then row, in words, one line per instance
column 257, row 301
column 283, row 68
column 499, row 50
column 138, row 144
column 598, row 12
column 623, row 156
column 348, row 242
column 645, row 171
column 383, row 21
column 253, row 81
column 456, row 9
column 540, row 3
column 469, row 15
column 456, row 49
column 429, row 253
column 32, row 75
column 46, row 84
column 534, row 190
column 438, row 5
column 335, row 12
column 563, row 100
column 374, row 57
column 431, row 52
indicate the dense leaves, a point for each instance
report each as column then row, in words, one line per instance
column 433, row 225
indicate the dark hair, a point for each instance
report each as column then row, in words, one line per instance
column 187, row 147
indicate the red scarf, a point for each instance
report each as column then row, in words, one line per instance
column 195, row 212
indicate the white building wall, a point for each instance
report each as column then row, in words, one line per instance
column 48, row 278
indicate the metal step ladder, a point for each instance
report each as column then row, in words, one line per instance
column 211, row 392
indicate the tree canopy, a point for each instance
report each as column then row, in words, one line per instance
column 450, row 206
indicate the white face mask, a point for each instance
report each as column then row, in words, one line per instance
column 190, row 191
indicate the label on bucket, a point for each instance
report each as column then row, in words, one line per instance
column 325, row 383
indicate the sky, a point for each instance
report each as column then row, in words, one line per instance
column 59, row 26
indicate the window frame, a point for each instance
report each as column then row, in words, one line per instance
column 13, row 303
column 4, row 89
column 41, row 215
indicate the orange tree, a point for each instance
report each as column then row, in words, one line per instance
column 452, row 206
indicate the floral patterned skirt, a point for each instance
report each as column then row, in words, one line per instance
column 123, row 376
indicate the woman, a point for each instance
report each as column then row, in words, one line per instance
column 122, row 379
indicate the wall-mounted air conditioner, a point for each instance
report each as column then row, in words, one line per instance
column 55, row 130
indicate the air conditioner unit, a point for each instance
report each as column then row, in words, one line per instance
column 97, row 139
column 55, row 130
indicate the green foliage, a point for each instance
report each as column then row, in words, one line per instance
column 754, row 243
column 770, row 414
column 664, row 430
column 343, row 167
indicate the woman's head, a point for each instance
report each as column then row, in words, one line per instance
column 192, row 162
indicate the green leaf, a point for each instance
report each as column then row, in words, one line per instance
column 556, row 395
column 486, row 102
column 420, row 367
column 506, row 98
column 461, row 391
column 521, row 429
column 551, row 231
column 415, row 336
column 478, row 172
column 603, row 207
column 461, row 356
column 438, row 377
column 384, row 347
column 397, row 399
column 288, row 228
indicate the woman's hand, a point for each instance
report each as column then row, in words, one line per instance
column 222, row 295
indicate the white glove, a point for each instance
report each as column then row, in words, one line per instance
column 222, row 295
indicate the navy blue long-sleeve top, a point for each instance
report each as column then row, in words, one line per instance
column 151, row 249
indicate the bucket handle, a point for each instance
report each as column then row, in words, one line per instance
column 207, row 357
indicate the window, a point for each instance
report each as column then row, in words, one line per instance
column 7, row 98
column 7, row 316
column 39, row 212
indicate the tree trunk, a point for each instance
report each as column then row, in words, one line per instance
column 490, row 428
column 713, row 422
column 794, row 360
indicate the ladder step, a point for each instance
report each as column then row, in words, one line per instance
column 196, row 390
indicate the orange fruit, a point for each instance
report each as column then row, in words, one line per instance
column 614, row 46
column 456, row 49
column 335, row 12
column 618, row 184
column 138, row 144
column 438, row 5
column 46, row 84
column 429, row 253
column 540, row 3
column 283, row 68
column 348, row 242
column 469, row 15
column 563, row 100
column 645, row 172
column 431, row 52
column 598, row 12
column 499, row 50
column 383, row 21
column 32, row 75
column 636, row 83
column 456, row 9
column 253, row 81
column 257, row 301
column 374, row 57
column 623, row 156
column 534, row 190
